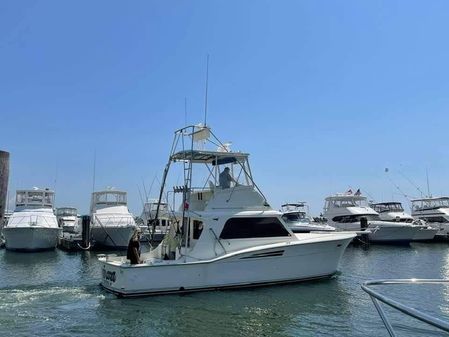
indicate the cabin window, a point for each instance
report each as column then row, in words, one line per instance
column 197, row 229
column 435, row 219
column 354, row 218
column 243, row 228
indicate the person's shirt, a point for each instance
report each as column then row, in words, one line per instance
column 133, row 251
column 225, row 179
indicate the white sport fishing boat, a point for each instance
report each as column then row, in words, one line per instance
column 228, row 237
column 296, row 216
column 350, row 212
column 33, row 225
column 68, row 219
column 435, row 211
column 394, row 212
column 112, row 225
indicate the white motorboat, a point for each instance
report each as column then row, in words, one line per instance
column 157, row 230
column 394, row 212
column 228, row 237
column 296, row 216
column 348, row 211
column 68, row 219
column 112, row 225
column 435, row 211
column 33, row 225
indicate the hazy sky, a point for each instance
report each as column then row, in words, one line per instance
column 324, row 94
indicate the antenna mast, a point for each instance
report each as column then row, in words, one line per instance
column 185, row 110
column 93, row 180
column 428, row 187
column 207, row 84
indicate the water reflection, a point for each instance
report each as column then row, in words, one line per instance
column 299, row 310
column 57, row 293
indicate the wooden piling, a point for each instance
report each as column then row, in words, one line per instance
column 4, row 177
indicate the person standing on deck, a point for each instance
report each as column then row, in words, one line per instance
column 225, row 178
column 133, row 253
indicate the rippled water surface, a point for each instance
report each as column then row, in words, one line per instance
column 57, row 294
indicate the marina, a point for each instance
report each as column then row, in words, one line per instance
column 58, row 293
column 222, row 236
column 224, row 168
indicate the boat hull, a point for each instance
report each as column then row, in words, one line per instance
column 290, row 262
column 31, row 239
column 425, row 234
column 385, row 234
column 116, row 238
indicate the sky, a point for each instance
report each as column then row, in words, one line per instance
column 324, row 95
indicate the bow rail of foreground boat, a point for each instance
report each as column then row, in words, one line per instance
column 377, row 297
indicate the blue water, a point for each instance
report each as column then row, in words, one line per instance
column 57, row 294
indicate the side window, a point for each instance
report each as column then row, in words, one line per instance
column 197, row 229
column 242, row 228
column 436, row 219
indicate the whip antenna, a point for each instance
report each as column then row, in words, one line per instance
column 93, row 180
column 207, row 84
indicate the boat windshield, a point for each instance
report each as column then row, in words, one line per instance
column 355, row 218
column 294, row 217
column 349, row 202
column 388, row 207
column 66, row 211
column 110, row 198
column 428, row 204
column 151, row 206
column 35, row 198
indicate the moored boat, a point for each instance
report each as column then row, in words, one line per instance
column 394, row 212
column 296, row 216
column 112, row 225
column 435, row 212
column 348, row 211
column 33, row 225
column 68, row 219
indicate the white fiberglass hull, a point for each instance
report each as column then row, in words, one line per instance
column 425, row 234
column 112, row 237
column 306, row 228
column 394, row 234
column 442, row 231
column 384, row 232
column 31, row 239
column 264, row 265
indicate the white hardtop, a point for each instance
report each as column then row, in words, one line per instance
column 347, row 204
column 443, row 198
column 390, row 206
column 431, row 203
column 300, row 206
column 34, row 198
column 152, row 204
column 347, row 201
column 345, row 196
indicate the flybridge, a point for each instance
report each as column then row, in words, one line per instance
column 35, row 198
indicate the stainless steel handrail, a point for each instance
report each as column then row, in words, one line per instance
column 376, row 297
